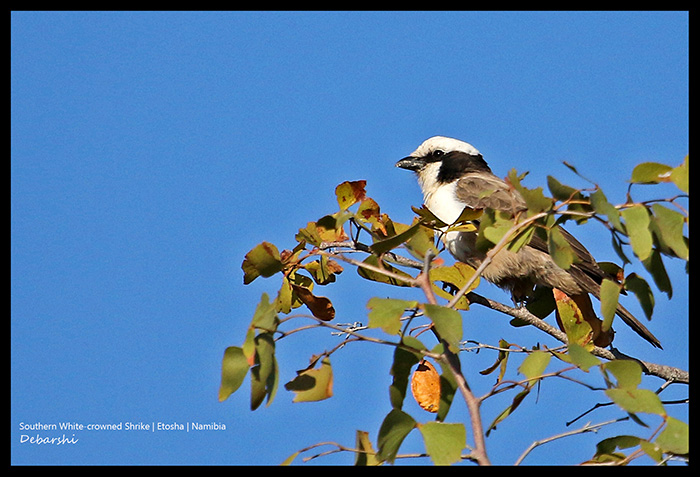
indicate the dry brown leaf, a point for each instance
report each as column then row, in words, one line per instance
column 320, row 306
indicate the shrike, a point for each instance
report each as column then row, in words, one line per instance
column 453, row 175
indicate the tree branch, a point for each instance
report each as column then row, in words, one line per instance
column 668, row 373
column 586, row 428
column 452, row 361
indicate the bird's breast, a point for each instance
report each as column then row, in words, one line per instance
column 442, row 201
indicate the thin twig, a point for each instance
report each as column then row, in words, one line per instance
column 668, row 373
column 368, row 266
column 587, row 428
column 491, row 253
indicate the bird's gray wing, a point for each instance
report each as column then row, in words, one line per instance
column 585, row 261
column 482, row 190
column 589, row 275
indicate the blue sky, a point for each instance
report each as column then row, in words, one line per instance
column 150, row 151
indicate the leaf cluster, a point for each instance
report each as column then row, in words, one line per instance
column 650, row 229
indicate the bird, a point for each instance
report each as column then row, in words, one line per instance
column 452, row 175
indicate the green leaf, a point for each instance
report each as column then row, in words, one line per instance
column 581, row 357
column 309, row 234
column 572, row 168
column 670, row 229
column 448, row 388
column 467, row 215
column 680, row 176
column 314, row 384
column 234, row 368
column 650, row 173
column 605, row 449
column 514, row 178
column 323, row 270
column 627, row 372
column 675, row 437
column 602, row 206
column 642, row 291
column 386, row 313
column 443, row 442
column 560, row 250
column 617, row 243
column 652, row 450
column 501, row 361
column 536, row 201
column 427, row 218
column 488, row 218
column 509, row 410
column 330, row 227
column 394, row 429
column 574, row 199
column 637, row 223
column 384, row 246
column 366, row 455
column 263, row 260
column 404, row 360
column 248, row 346
column 542, row 303
column 495, row 229
column 264, row 375
column 457, row 276
column 636, row 400
column 534, row 364
column 381, row 277
column 561, row 191
column 655, row 266
column 421, row 242
column 448, row 324
column 283, row 302
column 521, row 239
column 609, row 295
column 265, row 316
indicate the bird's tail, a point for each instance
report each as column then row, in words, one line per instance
column 603, row 338
column 637, row 326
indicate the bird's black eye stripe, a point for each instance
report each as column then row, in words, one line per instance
column 453, row 165
column 435, row 156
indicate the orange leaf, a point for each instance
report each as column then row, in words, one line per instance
column 425, row 386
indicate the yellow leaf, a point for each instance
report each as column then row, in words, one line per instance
column 350, row 192
column 263, row 260
column 315, row 384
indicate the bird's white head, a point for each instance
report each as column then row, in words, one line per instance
column 445, row 144
column 441, row 161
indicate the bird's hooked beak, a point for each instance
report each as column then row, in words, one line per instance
column 411, row 163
